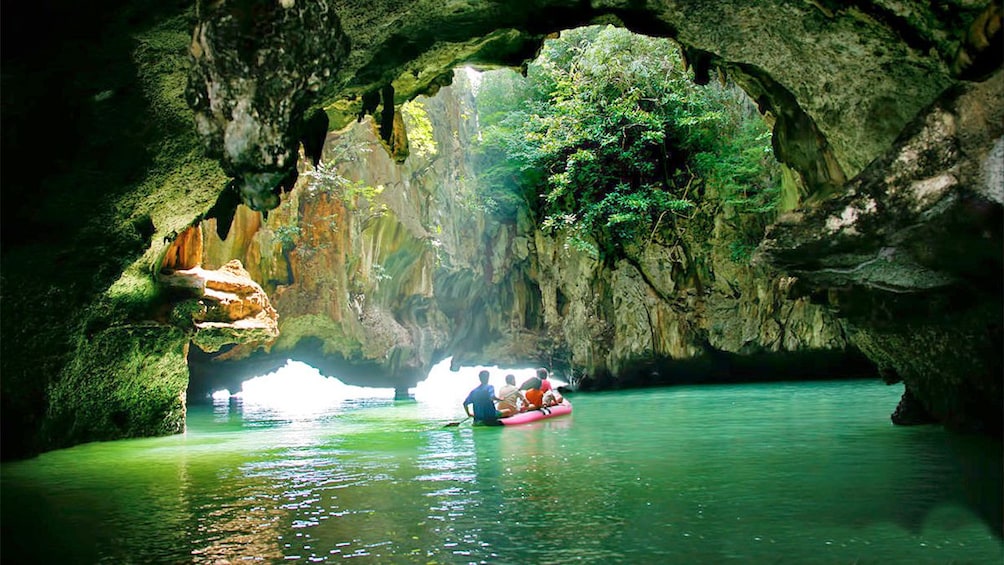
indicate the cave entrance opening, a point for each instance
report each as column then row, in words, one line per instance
column 606, row 143
column 298, row 387
column 299, row 390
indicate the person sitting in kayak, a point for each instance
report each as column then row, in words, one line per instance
column 533, row 389
column 549, row 395
column 534, row 398
column 509, row 398
column 482, row 397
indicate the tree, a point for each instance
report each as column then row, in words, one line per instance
column 607, row 134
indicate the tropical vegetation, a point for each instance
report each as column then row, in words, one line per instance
column 607, row 139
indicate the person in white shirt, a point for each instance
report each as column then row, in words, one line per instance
column 509, row 398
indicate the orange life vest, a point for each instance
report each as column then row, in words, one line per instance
column 535, row 396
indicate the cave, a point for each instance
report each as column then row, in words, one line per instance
column 147, row 146
column 878, row 97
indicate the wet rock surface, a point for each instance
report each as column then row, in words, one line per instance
column 911, row 255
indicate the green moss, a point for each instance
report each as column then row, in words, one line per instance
column 132, row 292
column 333, row 334
column 182, row 182
column 182, row 313
column 122, row 382
column 133, row 172
column 212, row 339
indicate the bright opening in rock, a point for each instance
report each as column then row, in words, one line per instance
column 300, row 387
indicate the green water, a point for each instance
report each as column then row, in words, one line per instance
column 777, row 473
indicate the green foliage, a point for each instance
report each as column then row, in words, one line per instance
column 506, row 174
column 326, row 178
column 607, row 134
column 741, row 252
column 358, row 189
column 421, row 138
column 741, row 168
column 287, row 236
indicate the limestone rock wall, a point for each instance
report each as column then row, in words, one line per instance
column 911, row 253
column 421, row 268
column 350, row 256
column 671, row 308
column 225, row 305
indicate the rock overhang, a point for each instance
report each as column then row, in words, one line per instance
column 853, row 75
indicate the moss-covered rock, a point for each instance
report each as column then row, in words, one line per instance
column 123, row 382
column 102, row 169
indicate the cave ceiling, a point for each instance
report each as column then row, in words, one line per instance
column 841, row 79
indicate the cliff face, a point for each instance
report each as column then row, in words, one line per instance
column 379, row 270
column 103, row 170
column 350, row 256
column 679, row 307
column 649, row 320
column 911, row 252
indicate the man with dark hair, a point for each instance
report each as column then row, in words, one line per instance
column 509, row 398
column 482, row 398
column 545, row 385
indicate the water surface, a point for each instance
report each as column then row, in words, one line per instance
column 773, row 473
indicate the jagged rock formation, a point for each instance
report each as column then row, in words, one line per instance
column 870, row 67
column 87, row 221
column 350, row 257
column 913, row 250
column 379, row 289
column 228, row 306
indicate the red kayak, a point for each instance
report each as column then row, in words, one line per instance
column 540, row 414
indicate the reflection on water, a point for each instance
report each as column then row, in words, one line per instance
column 796, row 472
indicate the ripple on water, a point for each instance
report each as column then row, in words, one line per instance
column 800, row 472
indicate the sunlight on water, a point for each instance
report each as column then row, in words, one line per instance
column 779, row 473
